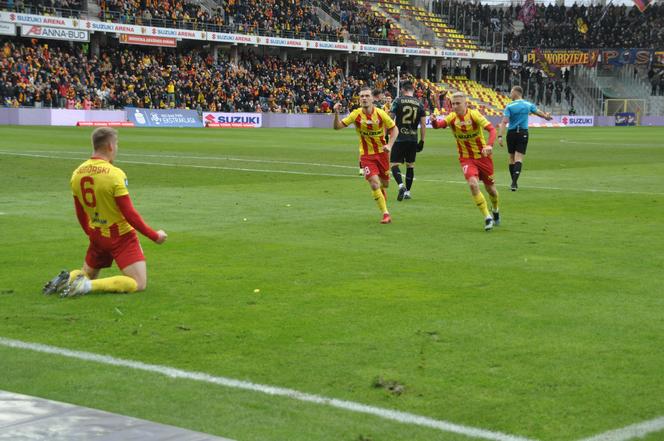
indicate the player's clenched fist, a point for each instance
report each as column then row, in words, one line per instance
column 162, row 237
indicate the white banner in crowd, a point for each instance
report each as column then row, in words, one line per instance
column 233, row 120
column 180, row 34
column 54, row 33
column 7, row 29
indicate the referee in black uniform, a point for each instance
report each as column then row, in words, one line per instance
column 516, row 114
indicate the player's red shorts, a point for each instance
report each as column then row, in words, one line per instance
column 378, row 164
column 125, row 250
column 481, row 168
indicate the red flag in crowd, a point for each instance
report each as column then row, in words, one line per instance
column 529, row 9
column 642, row 4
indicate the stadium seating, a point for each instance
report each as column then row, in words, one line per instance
column 58, row 75
column 452, row 38
column 486, row 100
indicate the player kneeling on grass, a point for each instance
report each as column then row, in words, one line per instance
column 371, row 124
column 107, row 216
column 474, row 153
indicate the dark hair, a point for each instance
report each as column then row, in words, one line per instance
column 408, row 86
column 376, row 92
column 518, row 89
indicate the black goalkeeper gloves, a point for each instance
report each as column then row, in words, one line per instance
column 420, row 146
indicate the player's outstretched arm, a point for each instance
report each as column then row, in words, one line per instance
column 135, row 220
column 337, row 122
column 438, row 123
column 546, row 115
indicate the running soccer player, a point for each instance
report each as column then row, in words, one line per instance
column 474, row 153
column 108, row 218
column 516, row 114
column 408, row 113
column 371, row 125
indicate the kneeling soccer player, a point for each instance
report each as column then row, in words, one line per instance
column 108, row 217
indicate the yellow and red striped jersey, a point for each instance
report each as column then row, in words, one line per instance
column 371, row 129
column 469, row 132
column 96, row 183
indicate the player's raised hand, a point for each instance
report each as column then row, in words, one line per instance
column 487, row 150
column 162, row 237
column 337, row 107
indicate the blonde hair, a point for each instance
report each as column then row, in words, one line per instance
column 103, row 136
column 459, row 95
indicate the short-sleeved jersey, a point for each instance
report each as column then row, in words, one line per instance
column 407, row 112
column 95, row 184
column 517, row 112
column 371, row 129
column 469, row 132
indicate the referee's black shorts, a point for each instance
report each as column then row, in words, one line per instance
column 517, row 141
column 403, row 151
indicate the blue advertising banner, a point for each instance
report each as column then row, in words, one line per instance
column 164, row 118
column 626, row 119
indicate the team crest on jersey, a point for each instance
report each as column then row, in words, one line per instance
column 369, row 122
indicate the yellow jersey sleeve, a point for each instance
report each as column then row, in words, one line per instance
column 119, row 183
column 352, row 116
column 479, row 118
column 387, row 120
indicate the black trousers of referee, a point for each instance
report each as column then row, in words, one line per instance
column 517, row 141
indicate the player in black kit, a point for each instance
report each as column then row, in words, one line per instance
column 408, row 113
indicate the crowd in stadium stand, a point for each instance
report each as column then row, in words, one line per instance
column 42, row 75
column 284, row 18
column 557, row 26
column 542, row 90
column 65, row 8
column 358, row 19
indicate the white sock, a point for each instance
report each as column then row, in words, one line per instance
column 87, row 285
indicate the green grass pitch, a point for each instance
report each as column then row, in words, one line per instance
column 549, row 327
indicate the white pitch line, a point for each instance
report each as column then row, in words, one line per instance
column 334, row 175
column 638, row 430
column 388, row 414
column 609, row 144
column 207, row 158
column 210, row 167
